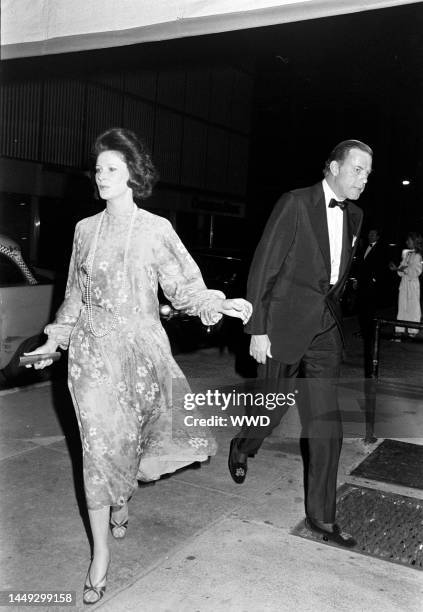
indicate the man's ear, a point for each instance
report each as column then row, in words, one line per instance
column 334, row 167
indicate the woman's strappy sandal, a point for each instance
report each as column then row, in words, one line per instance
column 89, row 587
column 118, row 528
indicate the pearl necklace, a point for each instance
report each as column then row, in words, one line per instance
column 88, row 286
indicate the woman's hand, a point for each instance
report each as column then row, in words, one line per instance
column 237, row 307
column 48, row 347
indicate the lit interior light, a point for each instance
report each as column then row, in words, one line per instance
column 405, row 182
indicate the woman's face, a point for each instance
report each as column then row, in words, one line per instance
column 410, row 242
column 112, row 175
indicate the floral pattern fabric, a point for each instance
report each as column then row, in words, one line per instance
column 126, row 387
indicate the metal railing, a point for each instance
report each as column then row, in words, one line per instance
column 376, row 339
column 371, row 383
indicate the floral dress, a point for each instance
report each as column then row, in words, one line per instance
column 126, row 387
column 409, row 291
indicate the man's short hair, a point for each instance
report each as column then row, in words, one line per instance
column 340, row 152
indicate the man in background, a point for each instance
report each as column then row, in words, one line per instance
column 373, row 277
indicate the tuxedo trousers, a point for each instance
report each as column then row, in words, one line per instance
column 312, row 382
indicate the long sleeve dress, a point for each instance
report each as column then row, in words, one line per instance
column 409, row 290
column 126, row 387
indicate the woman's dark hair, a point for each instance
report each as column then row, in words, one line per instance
column 340, row 152
column 418, row 241
column 142, row 172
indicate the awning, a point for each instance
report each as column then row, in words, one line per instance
column 42, row 27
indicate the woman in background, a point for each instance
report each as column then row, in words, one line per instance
column 126, row 387
column 409, row 269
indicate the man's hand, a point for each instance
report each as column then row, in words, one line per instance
column 260, row 348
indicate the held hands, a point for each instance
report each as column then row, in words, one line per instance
column 236, row 307
column 260, row 348
column 48, row 347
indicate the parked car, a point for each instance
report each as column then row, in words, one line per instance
column 221, row 269
column 26, row 304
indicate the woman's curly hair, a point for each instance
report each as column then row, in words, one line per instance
column 143, row 174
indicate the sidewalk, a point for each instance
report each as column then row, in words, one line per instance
column 196, row 541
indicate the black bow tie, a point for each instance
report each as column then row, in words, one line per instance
column 342, row 205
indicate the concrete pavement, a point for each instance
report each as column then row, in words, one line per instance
column 196, row 540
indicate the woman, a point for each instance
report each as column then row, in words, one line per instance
column 409, row 269
column 126, row 388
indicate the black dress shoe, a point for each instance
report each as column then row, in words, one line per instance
column 336, row 536
column 237, row 469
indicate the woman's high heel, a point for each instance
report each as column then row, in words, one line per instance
column 89, row 587
column 118, row 528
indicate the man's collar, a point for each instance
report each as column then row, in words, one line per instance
column 329, row 193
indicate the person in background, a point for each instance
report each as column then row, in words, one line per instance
column 371, row 289
column 126, row 387
column 409, row 270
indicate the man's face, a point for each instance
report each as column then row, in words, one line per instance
column 373, row 236
column 348, row 178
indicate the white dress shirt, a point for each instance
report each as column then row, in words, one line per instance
column 335, row 218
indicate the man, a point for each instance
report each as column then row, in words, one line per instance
column 371, row 289
column 295, row 282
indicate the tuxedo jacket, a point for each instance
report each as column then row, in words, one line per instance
column 289, row 279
